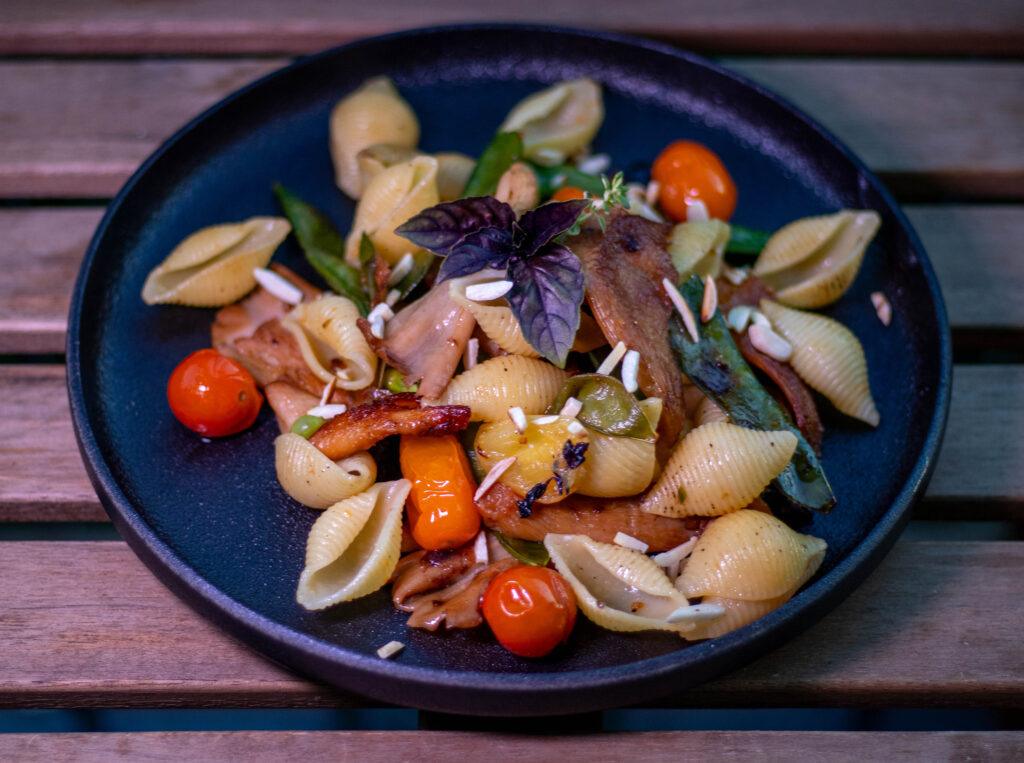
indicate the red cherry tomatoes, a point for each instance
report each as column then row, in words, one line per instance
column 213, row 395
column 690, row 171
column 530, row 609
column 568, row 193
column 441, row 510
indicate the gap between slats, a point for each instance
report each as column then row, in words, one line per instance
column 332, row 746
column 78, row 129
column 931, row 627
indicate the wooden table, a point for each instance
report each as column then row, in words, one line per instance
column 87, row 90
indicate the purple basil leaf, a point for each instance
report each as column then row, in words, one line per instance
column 488, row 247
column 546, row 300
column 441, row 227
column 548, row 220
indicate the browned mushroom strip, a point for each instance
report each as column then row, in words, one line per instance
column 623, row 271
column 243, row 318
column 597, row 518
column 424, row 571
column 365, row 425
column 458, row 605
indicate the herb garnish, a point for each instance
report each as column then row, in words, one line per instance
column 482, row 232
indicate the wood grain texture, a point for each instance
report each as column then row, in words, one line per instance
column 991, row 27
column 978, row 476
column 975, row 251
column 80, row 128
column 332, row 746
column 936, row 625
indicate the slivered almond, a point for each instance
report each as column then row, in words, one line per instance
column 493, row 476
column 682, row 307
column 612, row 360
column 882, row 307
column 770, row 343
column 710, row 302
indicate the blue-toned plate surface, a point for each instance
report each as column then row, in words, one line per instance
column 209, row 517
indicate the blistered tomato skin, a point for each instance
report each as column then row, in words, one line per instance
column 530, row 609
column 213, row 395
column 442, row 513
column 689, row 171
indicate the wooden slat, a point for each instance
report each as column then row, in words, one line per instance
column 302, row 26
column 937, row 624
column 331, row 746
column 975, row 250
column 80, row 128
column 978, row 475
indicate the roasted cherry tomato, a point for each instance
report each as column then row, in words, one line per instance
column 442, row 513
column 530, row 609
column 568, row 193
column 690, row 171
column 213, row 395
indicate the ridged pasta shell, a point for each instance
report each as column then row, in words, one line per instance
column 737, row 614
column 718, row 468
column 652, row 407
column 618, row 588
column 812, row 261
column 698, row 247
column 492, row 387
column 616, row 466
column 314, row 480
column 374, row 159
column 354, row 546
column 828, row 357
column 558, row 121
column 708, row 412
column 750, row 555
column 374, row 113
column 391, row 198
column 331, row 343
column 213, row 267
column 453, row 171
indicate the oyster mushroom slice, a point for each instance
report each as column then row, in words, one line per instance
column 618, row 588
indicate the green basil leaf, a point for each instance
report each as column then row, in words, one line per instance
column 526, row 551
column 324, row 248
column 715, row 365
column 746, row 240
column 607, row 406
column 505, row 149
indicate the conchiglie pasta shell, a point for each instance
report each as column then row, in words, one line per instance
column 828, row 357
column 698, row 247
column 314, row 480
column 618, row 588
column 811, row 262
column 390, row 199
column 750, row 555
column 453, row 171
column 708, row 412
column 718, row 468
column 559, row 121
column 616, row 466
column 354, row 546
column 214, row 266
column 374, row 159
column 375, row 113
column 504, row 382
column 331, row 343
column 737, row 614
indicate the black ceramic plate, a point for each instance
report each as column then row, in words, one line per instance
column 209, row 517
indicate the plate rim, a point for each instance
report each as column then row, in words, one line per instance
column 305, row 653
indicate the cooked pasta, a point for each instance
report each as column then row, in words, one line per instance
column 331, row 343
column 559, row 121
column 312, row 479
column 508, row 381
column 616, row 466
column 699, row 246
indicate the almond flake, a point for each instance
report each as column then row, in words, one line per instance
column 735, row 276
column 759, row 318
column 576, row 428
column 594, row 165
column 651, row 192
column 630, row 368
column 571, row 409
column 518, row 419
column 676, row 554
column 710, row 302
column 739, row 317
column 393, row 296
column 383, row 310
column 696, row 211
column 545, row 420
column 377, row 326
column 401, row 269
column 492, row 476
column 472, row 353
column 682, row 307
column 278, row 286
column 485, row 292
column 612, row 360
column 696, row 613
column 770, row 343
column 390, row 649
column 327, row 411
column 480, row 547
column 882, row 307
column 628, row 541
column 328, row 389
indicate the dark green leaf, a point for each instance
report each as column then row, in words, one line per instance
column 324, row 248
column 607, row 406
column 746, row 240
column 500, row 154
column 526, row 551
column 715, row 365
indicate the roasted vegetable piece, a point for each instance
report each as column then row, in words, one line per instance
column 715, row 365
column 442, row 513
column 607, row 406
column 505, row 149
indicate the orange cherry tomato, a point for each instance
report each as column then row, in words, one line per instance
column 689, row 171
column 213, row 395
column 530, row 609
column 442, row 513
column 568, row 193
